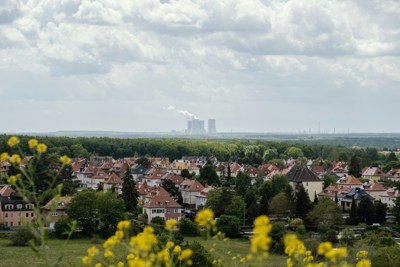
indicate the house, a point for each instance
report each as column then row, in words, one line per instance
column 301, row 175
column 393, row 174
column 201, row 197
column 162, row 205
column 349, row 181
column 14, row 211
column 372, row 173
column 154, row 177
column 389, row 197
column 56, row 209
column 138, row 172
column 113, row 181
column 175, row 178
column 189, row 189
column 334, row 191
column 339, row 168
column 235, row 169
column 375, row 189
column 357, row 194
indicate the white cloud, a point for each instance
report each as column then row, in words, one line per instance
column 232, row 58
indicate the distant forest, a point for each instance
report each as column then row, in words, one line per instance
column 244, row 151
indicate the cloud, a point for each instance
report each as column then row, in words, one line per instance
column 237, row 59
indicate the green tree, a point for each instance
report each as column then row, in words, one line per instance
column 380, row 212
column 396, row 209
column 294, row 152
column 145, row 162
column 243, row 183
column 130, row 194
column 270, row 154
column 279, row 205
column 173, row 190
column 353, row 219
column 201, row 257
column 219, row 199
column 266, row 195
column 355, row 166
column 391, row 157
column 326, row 212
column 365, row 210
column 208, row 175
column 110, row 210
column 187, row 227
column 303, row 204
column 236, row 207
column 229, row 225
column 328, row 180
column 278, row 184
column 83, row 209
column 185, row 173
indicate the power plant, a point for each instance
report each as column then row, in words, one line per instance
column 196, row 127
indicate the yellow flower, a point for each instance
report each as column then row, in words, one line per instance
column 93, row 251
column 33, row 143
column 124, row 225
column 205, row 218
column 120, row 264
column 361, row 254
column 177, row 249
column 15, row 159
column 108, row 253
column 13, row 141
column 65, row 160
column 86, row 260
column 119, row 234
column 336, row 254
column 170, row 224
column 12, row 179
column 364, row 263
column 185, row 254
column 110, row 242
column 169, row 244
column 144, row 241
column 4, row 156
column 41, row 148
column 324, row 247
column 98, row 265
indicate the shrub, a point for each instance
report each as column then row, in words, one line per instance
column 61, row 228
column 201, row 257
column 229, row 225
column 187, row 227
column 21, row 237
column 387, row 257
column 277, row 233
column 158, row 220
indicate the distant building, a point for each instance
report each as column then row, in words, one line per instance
column 195, row 127
column 211, row 126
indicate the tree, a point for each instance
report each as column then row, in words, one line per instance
column 270, row 154
column 218, row 200
column 130, row 194
column 279, row 205
column 315, row 202
column 353, row 219
column 170, row 187
column 201, row 257
column 185, row 173
column 145, row 162
column 265, row 193
column 396, row 209
column 326, row 212
column 243, row 183
column 110, row 210
column 208, row 175
column 236, row 207
column 278, row 184
column 380, row 212
column 83, row 209
column 355, row 166
column 365, row 210
column 294, row 152
column 303, row 204
column 328, row 180
column 187, row 227
column 391, row 157
column 229, row 225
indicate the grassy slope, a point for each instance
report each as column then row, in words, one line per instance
column 227, row 250
column 75, row 249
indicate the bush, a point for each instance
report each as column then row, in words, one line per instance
column 201, row 257
column 21, row 237
column 61, row 228
column 229, row 225
column 277, row 232
column 158, row 220
column 387, row 257
column 187, row 227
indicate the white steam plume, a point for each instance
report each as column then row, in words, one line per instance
column 185, row 113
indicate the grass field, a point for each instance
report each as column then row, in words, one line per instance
column 73, row 250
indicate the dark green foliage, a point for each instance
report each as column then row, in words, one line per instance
column 278, row 184
column 201, row 257
column 365, row 210
column 379, row 239
column 170, row 187
column 303, row 204
column 236, row 207
column 353, row 218
column 328, row 180
column 355, row 166
column 242, row 183
column 130, row 194
column 145, row 162
column 387, row 257
column 396, row 209
column 208, row 175
column 185, row 173
column 21, row 237
column 277, row 233
column 158, row 220
column 187, row 227
column 326, row 213
column 391, row 157
column 219, row 200
column 379, row 212
column 96, row 212
column 229, row 225
column 62, row 228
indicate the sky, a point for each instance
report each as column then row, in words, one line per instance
column 253, row 65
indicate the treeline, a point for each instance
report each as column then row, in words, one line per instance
column 244, row 151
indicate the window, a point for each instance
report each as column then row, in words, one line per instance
column 11, row 223
column 6, row 215
column 55, row 213
column 11, row 215
column 19, row 206
column 32, row 214
column 27, row 214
